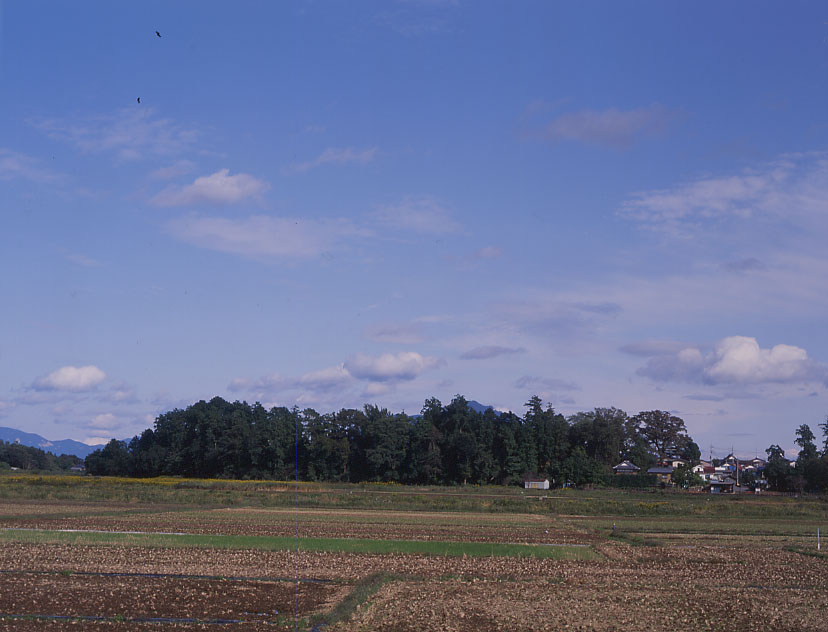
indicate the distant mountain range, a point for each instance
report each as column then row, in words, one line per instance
column 480, row 408
column 64, row 446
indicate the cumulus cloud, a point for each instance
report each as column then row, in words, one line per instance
column 421, row 215
column 405, row 365
column 105, row 421
column 490, row 351
column 736, row 360
column 70, row 378
column 261, row 236
column 130, row 133
column 610, row 127
column 217, row 188
column 336, row 156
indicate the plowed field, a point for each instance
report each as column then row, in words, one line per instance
column 706, row 585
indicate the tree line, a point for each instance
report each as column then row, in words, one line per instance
column 809, row 472
column 449, row 444
column 25, row 457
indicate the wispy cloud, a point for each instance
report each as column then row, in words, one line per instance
column 555, row 384
column 421, row 215
column 321, row 381
column 261, row 236
column 175, row 170
column 217, row 188
column 336, row 156
column 611, row 127
column 129, row 133
column 82, row 260
column 487, row 352
column 792, row 189
column 15, row 165
column 406, row 333
column 70, row 378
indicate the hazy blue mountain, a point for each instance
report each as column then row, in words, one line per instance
column 64, row 446
column 478, row 407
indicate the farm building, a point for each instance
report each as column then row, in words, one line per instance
column 663, row 474
column 533, row 482
column 626, row 467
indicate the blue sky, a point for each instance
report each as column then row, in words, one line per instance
column 329, row 204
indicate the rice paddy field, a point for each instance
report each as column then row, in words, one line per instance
column 172, row 554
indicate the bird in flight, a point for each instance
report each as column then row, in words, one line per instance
column 139, row 99
column 158, row 34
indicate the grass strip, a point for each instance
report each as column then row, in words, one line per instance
column 267, row 543
column 360, row 594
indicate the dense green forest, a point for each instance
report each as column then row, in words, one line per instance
column 448, row 445
column 28, row 458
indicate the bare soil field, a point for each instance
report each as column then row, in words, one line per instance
column 367, row 524
column 633, row 588
column 651, row 575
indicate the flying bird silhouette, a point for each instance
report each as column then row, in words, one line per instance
column 158, row 34
column 138, row 99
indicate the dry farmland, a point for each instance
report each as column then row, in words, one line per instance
column 72, row 558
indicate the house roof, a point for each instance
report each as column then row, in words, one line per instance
column 727, row 481
column 660, row 470
column 626, row 465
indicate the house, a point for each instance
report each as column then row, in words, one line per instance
column 533, row 482
column 724, row 486
column 78, row 468
column 676, row 462
column 663, row 474
column 625, row 467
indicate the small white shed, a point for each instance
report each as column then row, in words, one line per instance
column 536, row 483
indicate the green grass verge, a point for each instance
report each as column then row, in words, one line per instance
column 330, row 545
column 489, row 499
column 360, row 594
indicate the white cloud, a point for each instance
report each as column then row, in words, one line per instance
column 217, row 188
column 336, row 156
column 422, row 215
column 129, row 133
column 260, row 236
column 105, row 421
column 15, row 165
column 405, row 365
column 70, row 378
column 736, row 360
column 610, row 127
